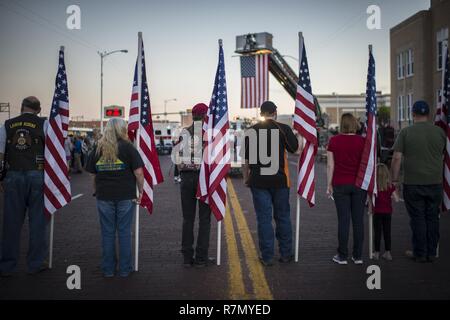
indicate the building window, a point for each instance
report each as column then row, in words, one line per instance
column 409, row 104
column 400, row 66
column 439, row 98
column 400, row 108
column 409, row 63
column 441, row 40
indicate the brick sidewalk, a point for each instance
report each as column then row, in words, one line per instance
column 161, row 276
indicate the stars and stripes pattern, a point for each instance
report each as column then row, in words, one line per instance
column 57, row 191
column 443, row 120
column 305, row 124
column 140, row 130
column 366, row 178
column 254, row 80
column 212, row 186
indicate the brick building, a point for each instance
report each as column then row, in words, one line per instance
column 416, row 60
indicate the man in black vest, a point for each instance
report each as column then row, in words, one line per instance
column 22, row 141
column 188, row 153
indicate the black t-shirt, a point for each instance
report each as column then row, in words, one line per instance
column 279, row 176
column 116, row 181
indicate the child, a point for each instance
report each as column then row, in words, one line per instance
column 382, row 211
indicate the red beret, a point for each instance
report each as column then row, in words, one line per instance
column 200, row 109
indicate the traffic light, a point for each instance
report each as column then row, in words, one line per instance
column 113, row 112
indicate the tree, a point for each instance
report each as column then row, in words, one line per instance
column 384, row 115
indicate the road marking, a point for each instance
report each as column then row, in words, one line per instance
column 77, row 196
column 259, row 282
column 237, row 287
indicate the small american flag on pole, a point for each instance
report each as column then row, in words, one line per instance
column 305, row 124
column 212, row 187
column 366, row 178
column 56, row 182
column 443, row 120
column 254, row 80
column 140, row 130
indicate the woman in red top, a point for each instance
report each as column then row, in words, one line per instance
column 343, row 158
column 382, row 212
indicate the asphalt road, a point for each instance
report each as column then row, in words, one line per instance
column 240, row 275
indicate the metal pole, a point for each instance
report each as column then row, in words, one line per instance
column 219, row 241
column 101, row 93
column 297, row 229
column 370, row 234
column 50, row 252
column 165, row 109
column 136, row 239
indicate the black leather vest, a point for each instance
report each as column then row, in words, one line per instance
column 25, row 141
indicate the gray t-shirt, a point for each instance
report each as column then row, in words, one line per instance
column 422, row 146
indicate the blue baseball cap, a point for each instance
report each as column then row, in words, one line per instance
column 421, row 108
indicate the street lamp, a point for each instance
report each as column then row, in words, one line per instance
column 165, row 106
column 103, row 55
column 337, row 107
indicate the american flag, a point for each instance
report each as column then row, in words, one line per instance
column 366, row 178
column 254, row 80
column 212, row 187
column 140, row 130
column 443, row 120
column 305, row 124
column 56, row 179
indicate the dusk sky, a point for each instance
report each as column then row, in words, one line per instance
column 180, row 39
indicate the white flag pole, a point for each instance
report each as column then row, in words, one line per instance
column 50, row 252
column 52, row 223
column 297, row 219
column 219, row 241
column 297, row 228
column 370, row 235
column 139, row 81
column 371, row 215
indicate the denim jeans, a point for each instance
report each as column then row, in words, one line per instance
column 350, row 201
column 274, row 200
column 116, row 217
column 189, row 182
column 24, row 192
column 423, row 206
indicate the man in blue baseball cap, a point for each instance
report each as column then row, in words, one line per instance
column 421, row 146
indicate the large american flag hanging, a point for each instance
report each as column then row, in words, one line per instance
column 305, row 124
column 254, row 80
column 212, row 187
column 366, row 178
column 443, row 120
column 56, row 179
column 140, row 130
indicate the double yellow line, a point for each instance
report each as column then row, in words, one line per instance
column 261, row 290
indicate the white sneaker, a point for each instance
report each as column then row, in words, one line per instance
column 376, row 255
column 387, row 256
column 339, row 260
column 357, row 261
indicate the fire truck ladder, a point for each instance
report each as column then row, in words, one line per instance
column 280, row 69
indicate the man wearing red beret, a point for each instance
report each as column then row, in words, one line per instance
column 188, row 154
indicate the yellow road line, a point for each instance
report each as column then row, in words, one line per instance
column 236, row 286
column 257, row 276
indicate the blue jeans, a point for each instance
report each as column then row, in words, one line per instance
column 274, row 200
column 116, row 217
column 24, row 192
column 423, row 204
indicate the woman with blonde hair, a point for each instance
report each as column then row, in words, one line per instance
column 343, row 158
column 117, row 167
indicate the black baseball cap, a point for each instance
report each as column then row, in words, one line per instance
column 421, row 108
column 268, row 107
